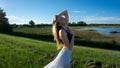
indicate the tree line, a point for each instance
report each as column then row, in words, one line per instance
column 31, row 23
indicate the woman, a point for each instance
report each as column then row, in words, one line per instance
column 64, row 39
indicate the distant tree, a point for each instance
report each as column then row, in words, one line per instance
column 14, row 25
column 4, row 24
column 81, row 23
column 32, row 23
column 73, row 24
column 70, row 23
column 26, row 25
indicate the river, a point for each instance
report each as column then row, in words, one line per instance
column 105, row 31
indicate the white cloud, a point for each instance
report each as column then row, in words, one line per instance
column 106, row 20
column 87, row 19
column 96, row 19
column 103, row 18
column 77, row 11
column 17, row 20
column 25, row 20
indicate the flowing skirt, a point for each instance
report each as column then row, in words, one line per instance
column 61, row 61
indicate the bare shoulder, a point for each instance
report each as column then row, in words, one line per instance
column 62, row 32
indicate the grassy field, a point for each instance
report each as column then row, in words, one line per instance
column 84, row 38
column 27, row 47
column 19, row 52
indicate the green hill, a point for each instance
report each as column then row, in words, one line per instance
column 19, row 52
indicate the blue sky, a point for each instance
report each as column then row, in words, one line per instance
column 42, row 11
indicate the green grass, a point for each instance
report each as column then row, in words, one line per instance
column 82, row 37
column 35, row 30
column 19, row 52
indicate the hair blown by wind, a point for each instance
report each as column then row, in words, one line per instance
column 55, row 29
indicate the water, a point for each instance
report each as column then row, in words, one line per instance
column 104, row 31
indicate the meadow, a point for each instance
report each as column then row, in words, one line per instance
column 84, row 38
column 27, row 47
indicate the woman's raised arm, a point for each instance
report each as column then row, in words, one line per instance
column 65, row 13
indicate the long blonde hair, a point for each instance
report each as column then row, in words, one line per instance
column 55, row 29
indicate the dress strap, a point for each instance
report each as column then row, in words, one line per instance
column 68, row 31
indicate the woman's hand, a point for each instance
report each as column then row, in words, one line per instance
column 65, row 14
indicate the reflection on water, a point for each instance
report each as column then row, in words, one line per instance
column 104, row 31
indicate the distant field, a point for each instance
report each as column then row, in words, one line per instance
column 18, row 52
column 84, row 37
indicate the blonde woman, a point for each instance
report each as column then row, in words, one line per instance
column 64, row 39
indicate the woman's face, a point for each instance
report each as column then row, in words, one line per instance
column 61, row 20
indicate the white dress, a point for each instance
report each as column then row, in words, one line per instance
column 62, row 60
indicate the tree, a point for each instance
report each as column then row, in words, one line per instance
column 81, row 23
column 73, row 24
column 4, row 24
column 70, row 23
column 32, row 23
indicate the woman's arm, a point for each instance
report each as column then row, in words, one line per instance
column 63, row 37
column 72, row 41
column 65, row 13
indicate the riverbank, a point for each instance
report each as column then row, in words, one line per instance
column 84, row 38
